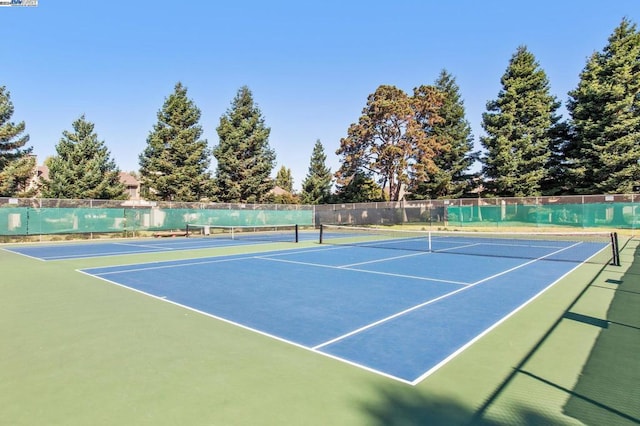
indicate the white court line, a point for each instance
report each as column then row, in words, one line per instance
column 384, row 259
column 148, row 249
column 390, row 274
column 25, row 255
column 494, row 325
column 207, row 256
column 91, row 255
column 341, row 268
column 396, row 315
column 174, row 246
column 150, row 268
column 210, row 259
column 254, row 330
column 328, row 355
column 456, row 248
column 389, row 318
column 501, row 244
column 525, row 264
column 378, row 243
column 307, row 250
column 144, row 246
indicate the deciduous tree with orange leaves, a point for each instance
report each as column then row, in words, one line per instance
column 391, row 142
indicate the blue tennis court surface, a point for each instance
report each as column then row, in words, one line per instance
column 125, row 247
column 399, row 313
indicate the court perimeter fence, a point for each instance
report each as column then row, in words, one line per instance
column 26, row 217
column 41, row 216
column 578, row 211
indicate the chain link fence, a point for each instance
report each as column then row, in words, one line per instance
column 578, row 211
column 40, row 216
column 25, row 217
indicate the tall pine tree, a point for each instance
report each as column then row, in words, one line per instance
column 82, row 168
column 316, row 186
column 519, row 126
column 174, row 165
column 452, row 178
column 604, row 150
column 245, row 160
column 359, row 188
column 16, row 164
column 284, row 179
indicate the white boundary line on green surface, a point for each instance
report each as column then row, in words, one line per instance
column 444, row 296
column 316, row 349
column 25, row 255
column 490, row 328
column 422, row 305
column 254, row 330
column 501, row 320
column 152, row 249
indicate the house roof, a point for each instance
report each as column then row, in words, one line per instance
column 128, row 179
column 279, row 191
column 43, row 172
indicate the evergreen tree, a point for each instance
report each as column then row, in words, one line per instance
column 452, row 178
column 245, row 160
column 174, row 165
column 316, row 186
column 17, row 166
column 519, row 126
column 390, row 142
column 360, row 188
column 284, row 179
column 604, row 150
column 82, row 168
column 17, row 178
column 556, row 180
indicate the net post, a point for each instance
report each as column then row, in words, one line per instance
column 615, row 258
column 321, row 230
column 296, row 231
column 187, row 231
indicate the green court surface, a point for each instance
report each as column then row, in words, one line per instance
column 77, row 351
column 608, row 391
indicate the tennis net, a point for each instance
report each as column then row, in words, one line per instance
column 276, row 233
column 561, row 246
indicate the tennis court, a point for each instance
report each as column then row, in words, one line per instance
column 401, row 313
column 217, row 237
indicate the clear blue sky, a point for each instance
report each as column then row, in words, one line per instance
column 310, row 65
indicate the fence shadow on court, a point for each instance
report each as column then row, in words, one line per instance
column 407, row 406
column 607, row 391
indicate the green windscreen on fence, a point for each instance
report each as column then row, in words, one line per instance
column 39, row 221
column 614, row 215
column 41, row 217
column 74, row 220
column 14, row 221
column 158, row 219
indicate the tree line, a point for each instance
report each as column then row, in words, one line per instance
column 415, row 146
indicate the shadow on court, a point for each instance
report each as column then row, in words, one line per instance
column 607, row 391
column 406, row 406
